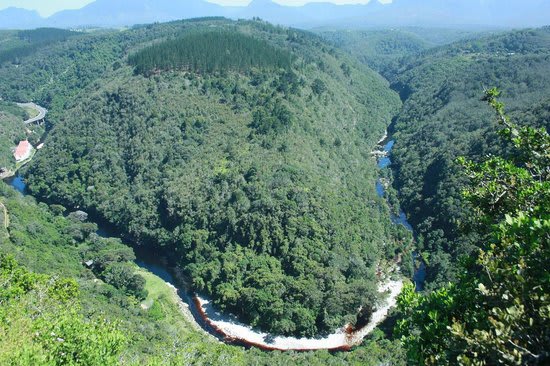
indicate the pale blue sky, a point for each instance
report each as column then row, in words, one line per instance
column 294, row 2
column 45, row 7
column 48, row 7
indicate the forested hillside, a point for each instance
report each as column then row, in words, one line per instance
column 475, row 189
column 443, row 118
column 53, row 305
column 40, row 324
column 240, row 154
column 17, row 45
column 384, row 49
column 11, row 132
column 496, row 312
column 207, row 52
column 259, row 184
column 380, row 49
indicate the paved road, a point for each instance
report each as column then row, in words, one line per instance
column 41, row 112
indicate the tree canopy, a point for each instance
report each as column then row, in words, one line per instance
column 259, row 185
column 498, row 312
column 210, row 51
column 40, row 322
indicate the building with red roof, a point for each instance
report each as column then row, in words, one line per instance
column 23, row 151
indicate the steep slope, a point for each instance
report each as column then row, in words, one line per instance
column 507, row 277
column 12, row 131
column 50, row 290
column 379, row 49
column 443, row 118
column 384, row 49
column 258, row 184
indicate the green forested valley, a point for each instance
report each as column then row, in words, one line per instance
column 475, row 189
column 443, row 118
column 254, row 183
column 56, row 311
column 496, row 311
column 379, row 49
column 246, row 158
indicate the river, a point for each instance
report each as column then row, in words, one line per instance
column 384, row 162
column 227, row 328
column 18, row 183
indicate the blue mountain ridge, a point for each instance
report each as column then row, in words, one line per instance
column 117, row 13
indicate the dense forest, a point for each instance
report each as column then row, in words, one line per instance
column 11, row 132
column 496, row 312
column 254, row 177
column 443, row 118
column 208, row 52
column 379, row 49
column 260, row 186
column 385, row 49
column 42, row 255
column 481, row 221
column 17, row 45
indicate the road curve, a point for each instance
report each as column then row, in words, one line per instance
column 41, row 112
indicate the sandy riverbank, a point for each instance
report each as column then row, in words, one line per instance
column 342, row 339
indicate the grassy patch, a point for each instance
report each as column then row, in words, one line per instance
column 31, row 112
column 155, row 286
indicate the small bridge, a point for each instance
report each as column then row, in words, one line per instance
column 39, row 119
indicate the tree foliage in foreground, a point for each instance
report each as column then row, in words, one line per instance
column 443, row 118
column 40, row 322
column 499, row 310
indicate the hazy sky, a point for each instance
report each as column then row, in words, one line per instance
column 294, row 2
column 48, row 7
column 45, row 7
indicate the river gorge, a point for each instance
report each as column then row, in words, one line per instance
column 203, row 315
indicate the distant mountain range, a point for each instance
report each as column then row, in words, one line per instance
column 20, row 18
column 117, row 13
